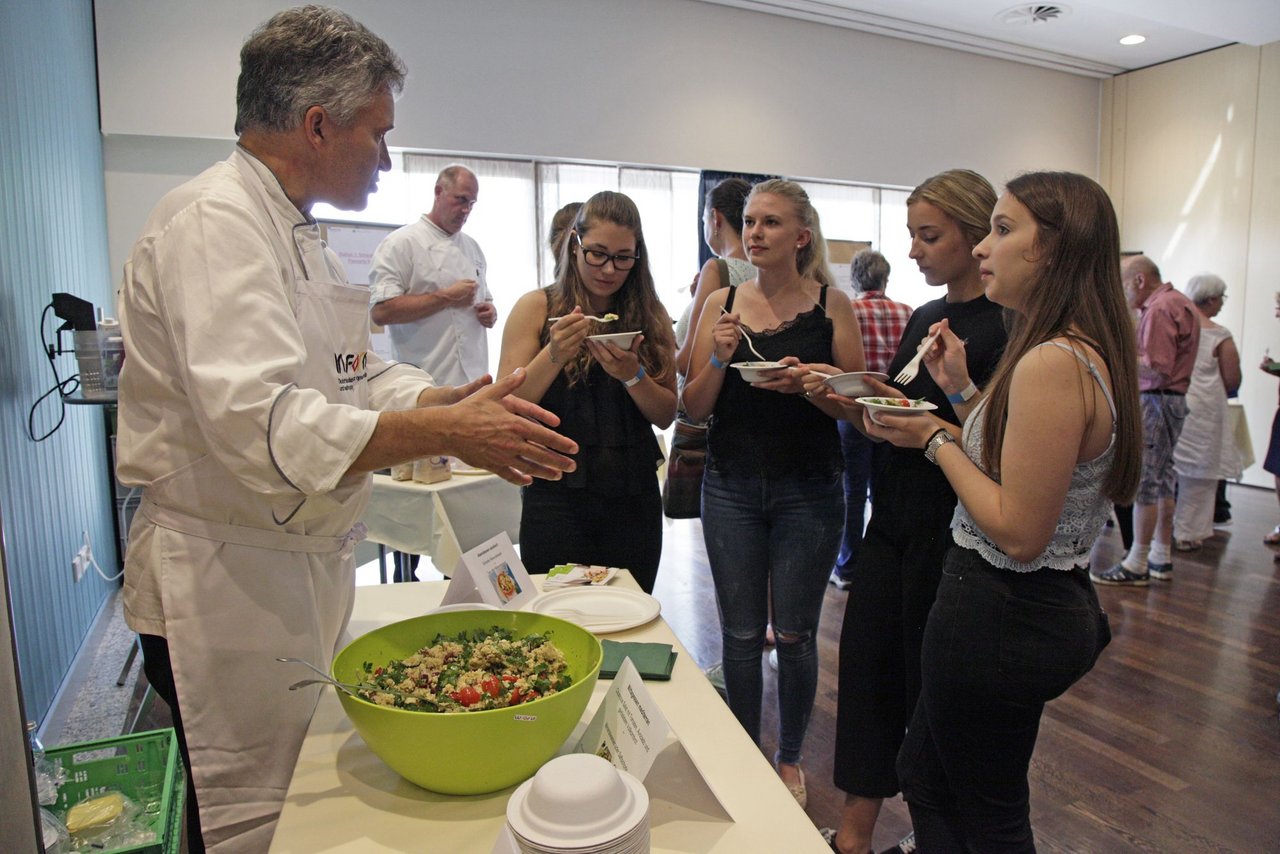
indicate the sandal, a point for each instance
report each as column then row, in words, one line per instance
column 798, row 790
column 1273, row 539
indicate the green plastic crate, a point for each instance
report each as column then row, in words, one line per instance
column 146, row 767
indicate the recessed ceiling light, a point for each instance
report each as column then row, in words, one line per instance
column 1133, row 39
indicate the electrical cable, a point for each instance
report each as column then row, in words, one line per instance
column 61, row 387
column 93, row 561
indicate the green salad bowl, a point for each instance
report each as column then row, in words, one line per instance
column 469, row 753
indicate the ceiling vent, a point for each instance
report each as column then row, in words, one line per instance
column 1034, row 13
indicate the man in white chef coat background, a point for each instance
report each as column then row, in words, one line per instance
column 252, row 410
column 428, row 286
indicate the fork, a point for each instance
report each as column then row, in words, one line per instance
column 587, row 316
column 910, row 369
column 747, row 338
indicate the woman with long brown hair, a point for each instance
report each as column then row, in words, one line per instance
column 1048, row 445
column 608, row 510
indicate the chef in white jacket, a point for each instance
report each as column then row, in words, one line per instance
column 252, row 410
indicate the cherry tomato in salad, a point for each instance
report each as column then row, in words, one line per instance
column 467, row 695
column 491, row 686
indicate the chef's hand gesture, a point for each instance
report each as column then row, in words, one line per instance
column 567, row 335
column 501, row 433
column 462, row 291
column 620, row 364
column 946, row 359
column 445, row 395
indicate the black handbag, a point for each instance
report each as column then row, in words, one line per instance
column 682, row 489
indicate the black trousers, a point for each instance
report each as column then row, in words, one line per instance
column 998, row 646
column 159, row 672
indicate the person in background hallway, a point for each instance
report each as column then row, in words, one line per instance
column 429, row 286
column 882, row 322
column 1168, row 338
column 772, row 503
column 252, row 411
column 1051, row 441
column 722, row 232
column 1206, row 449
column 1271, row 464
column 900, row 559
column 608, row 399
column 561, row 221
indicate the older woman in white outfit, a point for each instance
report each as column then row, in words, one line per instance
column 1206, row 452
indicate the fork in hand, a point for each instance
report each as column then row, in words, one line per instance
column 747, row 338
column 910, row 369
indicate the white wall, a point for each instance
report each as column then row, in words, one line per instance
column 664, row 82
column 1192, row 161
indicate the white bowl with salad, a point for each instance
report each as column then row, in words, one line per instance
column 896, row 406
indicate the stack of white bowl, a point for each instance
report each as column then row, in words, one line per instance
column 580, row 803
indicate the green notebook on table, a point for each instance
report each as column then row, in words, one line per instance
column 652, row 660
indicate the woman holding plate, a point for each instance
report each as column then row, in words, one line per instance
column 607, row 511
column 1049, row 444
column 772, row 494
column 899, row 563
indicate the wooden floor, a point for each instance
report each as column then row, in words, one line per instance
column 1171, row 743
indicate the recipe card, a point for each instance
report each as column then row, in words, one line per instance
column 628, row 729
column 491, row 573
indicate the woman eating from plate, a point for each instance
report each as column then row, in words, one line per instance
column 609, row 510
column 772, row 493
column 1050, row 442
column 899, row 563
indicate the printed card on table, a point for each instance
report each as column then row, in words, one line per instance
column 628, row 729
column 491, row 573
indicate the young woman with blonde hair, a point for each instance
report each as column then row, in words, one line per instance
column 896, row 574
column 772, row 497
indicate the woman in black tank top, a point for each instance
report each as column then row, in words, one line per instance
column 772, row 497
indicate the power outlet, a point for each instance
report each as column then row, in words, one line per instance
column 82, row 559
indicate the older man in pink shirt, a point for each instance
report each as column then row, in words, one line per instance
column 1168, row 337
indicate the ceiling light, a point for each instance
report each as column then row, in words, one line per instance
column 1133, row 39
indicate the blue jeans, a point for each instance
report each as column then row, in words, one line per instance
column 771, row 537
column 997, row 647
column 863, row 462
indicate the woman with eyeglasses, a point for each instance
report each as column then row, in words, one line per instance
column 772, row 493
column 608, row 511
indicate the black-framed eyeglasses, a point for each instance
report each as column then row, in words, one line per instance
column 598, row 258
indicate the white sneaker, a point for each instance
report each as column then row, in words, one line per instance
column 773, row 658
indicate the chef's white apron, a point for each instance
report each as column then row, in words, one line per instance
column 237, row 596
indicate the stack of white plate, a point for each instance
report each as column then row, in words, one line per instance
column 580, row 804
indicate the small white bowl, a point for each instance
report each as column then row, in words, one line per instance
column 754, row 372
column 578, row 801
column 621, row 340
column 906, row 407
column 853, row 383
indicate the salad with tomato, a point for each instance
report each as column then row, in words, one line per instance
column 892, row 401
column 469, row 672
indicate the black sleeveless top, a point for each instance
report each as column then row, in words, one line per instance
column 618, row 453
column 759, row 433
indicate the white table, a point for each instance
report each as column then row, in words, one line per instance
column 344, row 799
column 442, row 520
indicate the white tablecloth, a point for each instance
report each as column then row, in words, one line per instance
column 344, row 799
column 444, row 519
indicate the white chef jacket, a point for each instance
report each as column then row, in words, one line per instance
column 421, row 258
column 249, row 390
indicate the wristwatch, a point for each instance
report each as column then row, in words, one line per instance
column 936, row 441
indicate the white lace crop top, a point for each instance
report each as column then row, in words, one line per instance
column 1083, row 513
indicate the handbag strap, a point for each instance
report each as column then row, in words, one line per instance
column 722, row 267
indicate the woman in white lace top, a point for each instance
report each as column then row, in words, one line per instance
column 1047, row 446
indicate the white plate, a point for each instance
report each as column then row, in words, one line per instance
column 851, row 384
column 621, row 340
column 917, row 407
column 754, row 372
column 599, row 610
